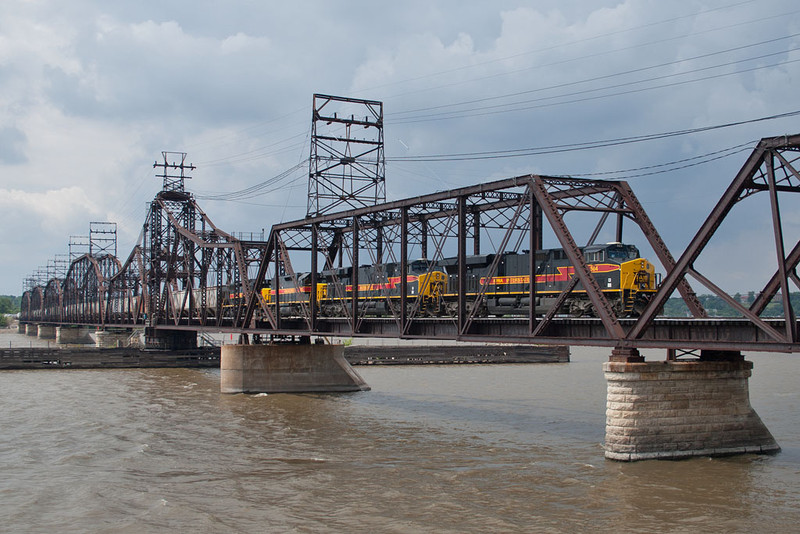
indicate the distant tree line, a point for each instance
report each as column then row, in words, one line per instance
column 9, row 304
column 716, row 307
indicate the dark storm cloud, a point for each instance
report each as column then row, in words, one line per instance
column 92, row 92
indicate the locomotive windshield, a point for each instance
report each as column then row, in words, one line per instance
column 418, row 266
column 619, row 252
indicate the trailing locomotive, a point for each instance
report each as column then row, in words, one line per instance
column 627, row 280
column 379, row 288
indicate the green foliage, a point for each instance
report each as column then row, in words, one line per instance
column 9, row 304
column 716, row 307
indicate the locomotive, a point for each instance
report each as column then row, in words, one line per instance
column 627, row 280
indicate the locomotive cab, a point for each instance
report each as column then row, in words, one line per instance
column 617, row 253
column 637, row 280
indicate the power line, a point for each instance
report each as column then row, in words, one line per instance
column 568, row 43
column 256, row 153
column 747, row 23
column 522, row 105
column 553, row 149
column 245, row 130
column 613, row 75
column 260, row 153
column 673, row 165
column 262, row 188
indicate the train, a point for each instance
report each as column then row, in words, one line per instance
column 627, row 280
column 497, row 285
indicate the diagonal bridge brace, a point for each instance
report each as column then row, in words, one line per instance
column 756, row 175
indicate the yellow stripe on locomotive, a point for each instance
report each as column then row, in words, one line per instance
column 627, row 280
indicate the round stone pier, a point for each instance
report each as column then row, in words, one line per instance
column 678, row 409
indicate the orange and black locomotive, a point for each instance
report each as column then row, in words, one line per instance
column 627, row 280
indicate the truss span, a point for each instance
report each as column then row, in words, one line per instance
column 464, row 264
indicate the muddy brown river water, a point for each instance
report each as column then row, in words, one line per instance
column 472, row 448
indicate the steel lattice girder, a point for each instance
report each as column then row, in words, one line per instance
column 756, row 175
column 461, row 214
column 201, row 266
column 345, row 170
column 187, row 252
column 561, row 195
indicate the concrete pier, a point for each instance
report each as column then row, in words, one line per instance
column 678, row 409
column 73, row 335
column 31, row 330
column 287, row 369
column 112, row 338
column 46, row 332
column 164, row 339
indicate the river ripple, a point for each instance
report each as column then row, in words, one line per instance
column 500, row 448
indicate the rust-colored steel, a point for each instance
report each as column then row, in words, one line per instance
column 185, row 273
column 756, row 175
column 346, row 169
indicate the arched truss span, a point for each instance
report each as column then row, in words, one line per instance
column 84, row 289
column 53, row 300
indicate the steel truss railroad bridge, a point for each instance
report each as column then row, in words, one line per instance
column 185, row 274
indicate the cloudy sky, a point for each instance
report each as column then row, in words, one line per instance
column 91, row 92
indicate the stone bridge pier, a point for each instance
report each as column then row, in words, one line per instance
column 287, row 368
column 73, row 335
column 678, row 409
column 46, row 331
column 109, row 338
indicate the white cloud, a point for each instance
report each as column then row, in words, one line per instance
column 50, row 211
column 91, row 92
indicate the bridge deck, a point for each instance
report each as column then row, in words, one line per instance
column 668, row 333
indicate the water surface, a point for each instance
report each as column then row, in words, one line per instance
column 478, row 448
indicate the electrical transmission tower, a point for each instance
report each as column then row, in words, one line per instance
column 171, row 205
column 173, row 182
column 102, row 238
column 78, row 246
column 347, row 166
